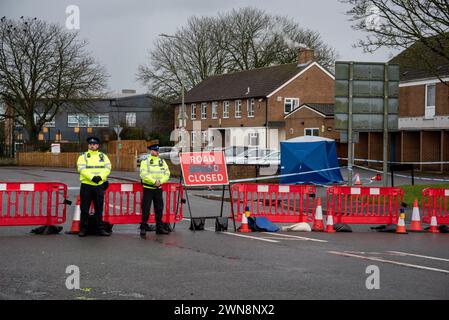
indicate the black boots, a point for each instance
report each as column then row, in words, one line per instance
column 82, row 233
column 143, row 230
column 160, row 229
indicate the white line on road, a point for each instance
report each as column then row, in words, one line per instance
column 417, row 255
column 296, row 237
column 415, row 266
column 238, row 235
column 243, row 236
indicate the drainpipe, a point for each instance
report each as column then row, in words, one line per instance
column 266, row 123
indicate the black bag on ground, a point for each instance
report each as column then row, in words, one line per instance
column 385, row 228
column 443, row 228
column 221, row 224
column 342, row 227
column 198, row 223
column 47, row 230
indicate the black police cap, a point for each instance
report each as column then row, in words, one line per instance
column 93, row 140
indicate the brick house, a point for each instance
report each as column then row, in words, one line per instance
column 311, row 120
column 249, row 107
column 423, row 124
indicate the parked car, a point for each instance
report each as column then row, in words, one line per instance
column 232, row 152
column 252, row 156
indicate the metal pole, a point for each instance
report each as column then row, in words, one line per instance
column 350, row 153
column 385, row 138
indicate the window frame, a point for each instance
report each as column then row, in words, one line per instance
column 239, row 104
column 193, row 111
column 429, row 111
column 127, row 119
column 250, row 106
column 293, row 107
column 226, row 107
column 214, row 105
column 312, row 130
column 203, row 108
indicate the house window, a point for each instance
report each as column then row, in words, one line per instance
column 253, row 138
column 193, row 112
column 290, row 104
column 193, row 139
column 312, row 132
column 204, row 137
column 226, row 109
column 87, row 120
column 48, row 124
column 130, row 119
column 250, row 108
column 214, row 110
column 204, row 111
column 430, row 101
column 238, row 108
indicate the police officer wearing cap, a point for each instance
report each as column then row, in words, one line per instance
column 154, row 172
column 94, row 168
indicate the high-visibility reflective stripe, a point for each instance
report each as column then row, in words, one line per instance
column 95, row 167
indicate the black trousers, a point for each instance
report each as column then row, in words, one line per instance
column 149, row 196
column 89, row 194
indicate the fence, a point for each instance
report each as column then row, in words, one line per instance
column 123, row 203
column 279, row 203
column 33, row 203
column 364, row 205
column 435, row 202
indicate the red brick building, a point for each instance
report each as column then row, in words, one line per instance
column 249, row 107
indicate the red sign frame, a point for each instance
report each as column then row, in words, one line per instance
column 204, row 168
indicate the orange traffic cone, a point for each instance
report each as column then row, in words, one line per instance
column 416, row 219
column 75, row 229
column 357, row 180
column 318, row 224
column 434, row 224
column 244, row 226
column 330, row 224
column 401, row 224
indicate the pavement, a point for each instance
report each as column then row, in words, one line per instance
column 207, row 265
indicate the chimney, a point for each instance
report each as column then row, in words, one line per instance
column 305, row 56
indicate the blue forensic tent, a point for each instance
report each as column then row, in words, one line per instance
column 309, row 153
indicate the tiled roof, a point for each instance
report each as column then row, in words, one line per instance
column 243, row 84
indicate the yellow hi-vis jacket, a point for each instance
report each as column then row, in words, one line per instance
column 91, row 164
column 151, row 169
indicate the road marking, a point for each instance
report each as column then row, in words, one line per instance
column 415, row 266
column 244, row 236
column 417, row 255
column 239, row 235
column 296, row 237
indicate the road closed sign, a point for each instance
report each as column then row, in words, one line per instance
column 204, row 168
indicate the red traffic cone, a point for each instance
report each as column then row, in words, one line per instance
column 75, row 228
column 318, row 224
column 330, row 224
column 401, row 224
column 357, row 180
column 244, row 226
column 416, row 219
column 434, row 224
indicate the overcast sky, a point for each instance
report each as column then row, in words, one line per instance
column 120, row 33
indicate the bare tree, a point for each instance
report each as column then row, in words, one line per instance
column 42, row 66
column 420, row 25
column 238, row 40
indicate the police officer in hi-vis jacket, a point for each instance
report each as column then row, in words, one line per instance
column 94, row 168
column 154, row 173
